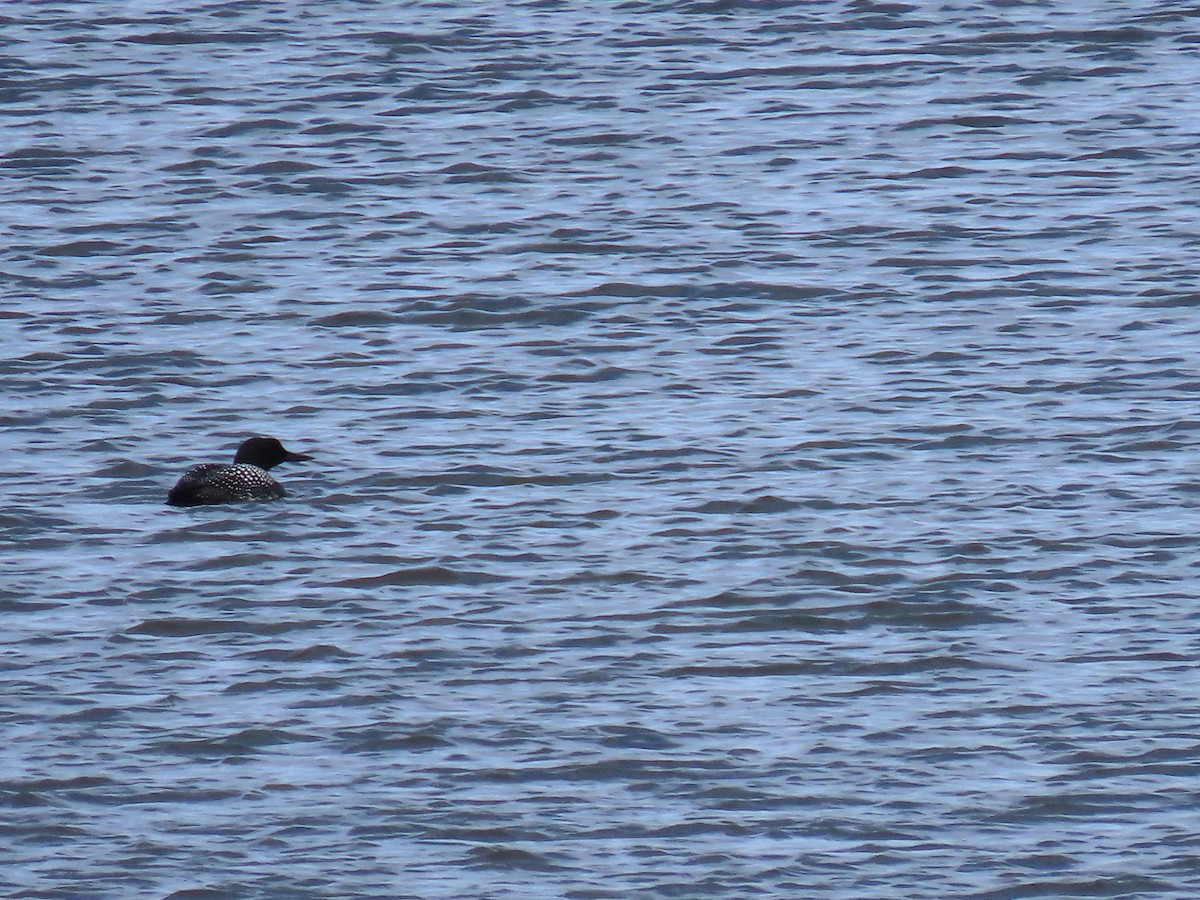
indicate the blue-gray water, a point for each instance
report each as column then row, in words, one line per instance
column 756, row 450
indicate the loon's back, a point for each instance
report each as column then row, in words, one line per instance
column 218, row 483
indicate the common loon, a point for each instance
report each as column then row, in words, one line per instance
column 245, row 479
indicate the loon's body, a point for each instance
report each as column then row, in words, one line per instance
column 245, row 479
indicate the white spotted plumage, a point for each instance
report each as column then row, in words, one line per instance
column 216, row 483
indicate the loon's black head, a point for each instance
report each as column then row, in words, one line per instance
column 266, row 452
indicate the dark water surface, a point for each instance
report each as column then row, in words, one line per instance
column 756, row 449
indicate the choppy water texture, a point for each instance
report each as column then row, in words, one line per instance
column 756, row 450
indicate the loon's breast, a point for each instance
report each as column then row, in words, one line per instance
column 217, row 483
